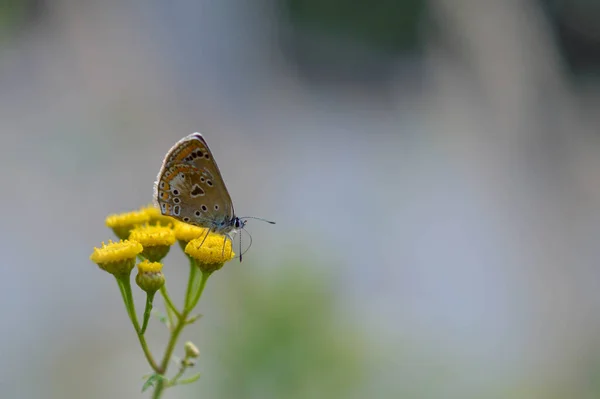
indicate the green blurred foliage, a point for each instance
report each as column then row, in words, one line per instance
column 13, row 15
column 283, row 338
column 388, row 25
column 575, row 25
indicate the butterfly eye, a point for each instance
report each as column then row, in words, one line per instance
column 197, row 213
column 216, row 207
column 175, row 191
column 204, row 208
column 209, row 183
column 176, row 200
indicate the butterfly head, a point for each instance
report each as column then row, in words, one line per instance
column 227, row 226
column 238, row 223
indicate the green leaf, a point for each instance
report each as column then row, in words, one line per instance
column 152, row 380
column 189, row 380
column 149, row 382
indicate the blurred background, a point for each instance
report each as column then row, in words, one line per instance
column 433, row 168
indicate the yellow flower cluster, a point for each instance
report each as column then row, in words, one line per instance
column 142, row 234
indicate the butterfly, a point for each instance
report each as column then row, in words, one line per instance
column 189, row 187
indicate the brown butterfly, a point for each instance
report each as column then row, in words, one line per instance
column 190, row 188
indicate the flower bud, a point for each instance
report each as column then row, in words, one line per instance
column 150, row 277
column 191, row 351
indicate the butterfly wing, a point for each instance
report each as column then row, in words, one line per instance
column 186, row 150
column 190, row 187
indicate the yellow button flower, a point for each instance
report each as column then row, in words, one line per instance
column 155, row 217
column 123, row 223
column 150, row 277
column 210, row 253
column 185, row 233
column 156, row 240
column 146, row 266
column 117, row 258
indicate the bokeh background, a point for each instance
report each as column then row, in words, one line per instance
column 433, row 168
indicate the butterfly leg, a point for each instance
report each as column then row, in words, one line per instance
column 205, row 237
column 224, row 242
column 225, row 237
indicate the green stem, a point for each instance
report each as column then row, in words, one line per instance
column 124, row 295
column 191, row 282
column 160, row 386
column 168, row 301
column 177, row 376
column 147, row 310
column 125, row 288
column 196, row 298
column 170, row 307
column 181, row 322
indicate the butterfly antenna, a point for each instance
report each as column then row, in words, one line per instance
column 249, row 236
column 241, row 247
column 261, row 219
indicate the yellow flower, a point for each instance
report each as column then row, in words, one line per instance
column 155, row 217
column 117, row 258
column 156, row 240
column 151, row 236
column 146, row 266
column 150, row 277
column 123, row 223
column 185, row 233
column 210, row 253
